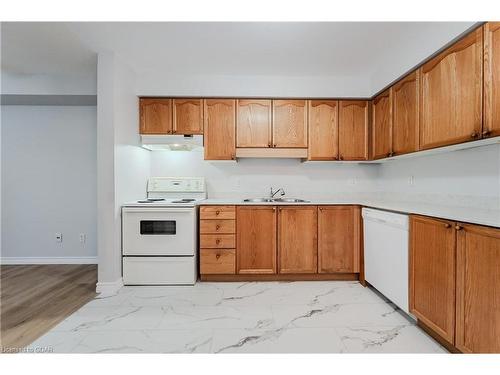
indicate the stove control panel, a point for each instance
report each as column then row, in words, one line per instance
column 176, row 185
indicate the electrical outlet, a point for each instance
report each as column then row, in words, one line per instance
column 83, row 237
column 58, row 237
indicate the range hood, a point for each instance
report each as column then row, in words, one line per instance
column 171, row 142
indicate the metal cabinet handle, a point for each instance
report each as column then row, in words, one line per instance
column 217, row 241
column 217, row 227
column 217, row 212
column 458, row 227
column 269, row 144
column 217, row 256
column 486, row 133
column 473, row 135
column 446, row 225
column 341, row 157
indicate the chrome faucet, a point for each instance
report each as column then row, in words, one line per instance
column 273, row 193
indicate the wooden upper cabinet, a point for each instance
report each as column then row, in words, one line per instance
column 220, row 129
column 405, row 114
column 188, row 116
column 254, row 123
column 289, row 123
column 382, row 125
column 323, row 129
column 155, row 116
column 451, row 94
column 478, row 289
column 339, row 239
column 491, row 125
column 353, row 129
column 256, row 240
column 432, row 274
column 298, row 239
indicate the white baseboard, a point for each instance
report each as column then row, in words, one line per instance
column 48, row 260
column 109, row 288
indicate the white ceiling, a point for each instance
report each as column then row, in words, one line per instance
column 376, row 51
column 44, row 48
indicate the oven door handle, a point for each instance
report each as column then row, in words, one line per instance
column 157, row 209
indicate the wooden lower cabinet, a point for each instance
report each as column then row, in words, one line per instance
column 217, row 240
column 339, row 239
column 298, row 239
column 455, row 282
column 256, row 240
column 432, row 274
column 217, row 261
column 267, row 242
column 478, row 289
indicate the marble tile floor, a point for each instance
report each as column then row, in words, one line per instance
column 252, row 317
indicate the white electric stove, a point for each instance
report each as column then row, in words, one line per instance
column 159, row 244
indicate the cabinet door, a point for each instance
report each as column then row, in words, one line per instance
column 432, row 274
column 491, row 126
column 353, row 130
column 338, row 239
column 188, row 116
column 254, row 123
column 155, row 116
column 298, row 239
column 405, row 114
column 220, row 129
column 451, row 94
column 289, row 123
column 478, row 289
column 256, row 239
column 382, row 125
column 323, row 129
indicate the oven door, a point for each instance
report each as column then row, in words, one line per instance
column 159, row 231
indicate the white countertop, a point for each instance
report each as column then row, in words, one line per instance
column 482, row 216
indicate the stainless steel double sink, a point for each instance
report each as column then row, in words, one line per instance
column 276, row 200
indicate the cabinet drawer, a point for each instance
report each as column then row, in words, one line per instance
column 217, row 226
column 217, row 241
column 217, row 212
column 216, row 261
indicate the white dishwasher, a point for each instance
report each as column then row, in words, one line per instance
column 386, row 254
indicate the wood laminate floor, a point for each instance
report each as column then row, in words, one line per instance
column 34, row 298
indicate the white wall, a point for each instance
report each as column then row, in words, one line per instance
column 48, row 182
column 466, row 177
column 254, row 177
column 161, row 83
column 47, row 84
column 123, row 167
